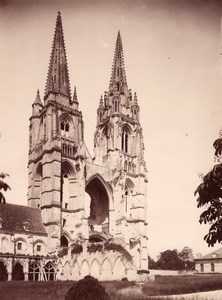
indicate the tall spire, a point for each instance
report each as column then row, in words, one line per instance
column 118, row 75
column 58, row 76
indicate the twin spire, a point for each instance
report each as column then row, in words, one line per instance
column 118, row 75
column 58, row 75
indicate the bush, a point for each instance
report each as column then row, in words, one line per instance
column 87, row 288
column 63, row 252
column 94, row 247
column 119, row 248
column 76, row 249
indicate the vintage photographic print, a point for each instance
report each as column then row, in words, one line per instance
column 110, row 148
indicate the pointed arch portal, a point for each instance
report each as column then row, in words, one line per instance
column 98, row 219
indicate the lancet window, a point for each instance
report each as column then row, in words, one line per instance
column 125, row 139
column 65, row 128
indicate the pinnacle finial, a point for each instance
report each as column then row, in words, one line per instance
column 101, row 101
column 37, row 98
column 135, row 98
column 75, row 98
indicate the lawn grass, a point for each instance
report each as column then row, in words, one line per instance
column 174, row 285
column 166, row 285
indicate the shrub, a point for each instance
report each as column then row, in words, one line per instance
column 94, row 247
column 87, row 288
column 63, row 252
column 119, row 248
column 76, row 249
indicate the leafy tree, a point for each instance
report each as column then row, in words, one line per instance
column 3, row 186
column 169, row 260
column 151, row 263
column 87, row 288
column 186, row 255
column 210, row 198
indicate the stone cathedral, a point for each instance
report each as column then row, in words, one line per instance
column 85, row 215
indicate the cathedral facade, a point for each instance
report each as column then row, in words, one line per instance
column 85, row 215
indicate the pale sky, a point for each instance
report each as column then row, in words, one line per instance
column 172, row 59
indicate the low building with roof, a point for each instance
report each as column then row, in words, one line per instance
column 23, row 239
column 210, row 263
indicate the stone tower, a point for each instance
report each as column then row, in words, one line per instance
column 118, row 145
column 99, row 199
column 56, row 150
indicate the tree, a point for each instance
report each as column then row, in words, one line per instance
column 151, row 263
column 169, row 260
column 3, row 186
column 210, row 198
column 87, row 288
column 186, row 255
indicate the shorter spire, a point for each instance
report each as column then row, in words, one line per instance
column 37, row 98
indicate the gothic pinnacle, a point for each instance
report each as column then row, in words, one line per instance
column 37, row 98
column 58, row 76
column 101, row 102
column 135, row 99
column 75, row 98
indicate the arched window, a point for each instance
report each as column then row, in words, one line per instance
column 212, row 267
column 64, row 241
column 38, row 184
column 126, row 201
column 67, row 185
column 64, row 128
column 125, row 139
column 116, row 105
column 17, row 272
column 34, row 272
column 3, row 272
column 49, row 272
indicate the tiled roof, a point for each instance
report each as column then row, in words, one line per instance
column 19, row 218
column 212, row 255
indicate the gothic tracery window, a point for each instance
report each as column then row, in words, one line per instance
column 50, row 272
column 65, row 128
column 34, row 272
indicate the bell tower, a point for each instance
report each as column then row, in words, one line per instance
column 56, row 149
column 118, row 145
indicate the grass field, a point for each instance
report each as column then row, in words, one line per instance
column 167, row 285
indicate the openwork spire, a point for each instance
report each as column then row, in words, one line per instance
column 58, row 76
column 118, row 75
